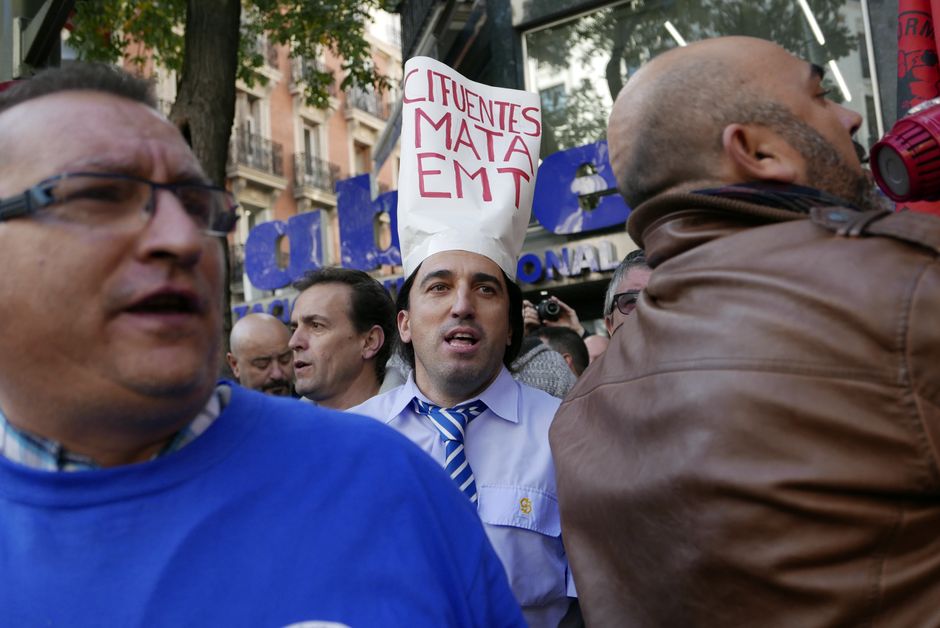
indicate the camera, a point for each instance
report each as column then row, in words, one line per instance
column 548, row 310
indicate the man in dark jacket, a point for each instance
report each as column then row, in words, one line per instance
column 761, row 447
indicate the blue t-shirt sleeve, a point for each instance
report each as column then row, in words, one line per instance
column 488, row 596
column 491, row 596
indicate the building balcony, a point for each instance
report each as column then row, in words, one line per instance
column 260, row 153
column 369, row 102
column 268, row 52
column 314, row 172
column 265, row 49
column 315, row 179
column 301, row 68
column 236, row 264
column 366, row 115
column 256, row 159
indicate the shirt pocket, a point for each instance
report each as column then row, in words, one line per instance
column 520, row 507
column 524, row 526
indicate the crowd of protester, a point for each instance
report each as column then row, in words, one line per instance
column 753, row 441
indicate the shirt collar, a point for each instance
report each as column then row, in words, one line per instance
column 501, row 397
column 37, row 452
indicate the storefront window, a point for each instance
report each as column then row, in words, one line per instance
column 578, row 65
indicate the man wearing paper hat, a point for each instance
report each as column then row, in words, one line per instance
column 469, row 155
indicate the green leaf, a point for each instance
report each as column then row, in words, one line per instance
column 106, row 30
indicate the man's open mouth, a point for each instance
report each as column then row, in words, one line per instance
column 169, row 302
column 461, row 338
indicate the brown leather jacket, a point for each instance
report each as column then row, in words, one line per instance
column 759, row 444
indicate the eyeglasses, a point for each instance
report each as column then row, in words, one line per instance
column 626, row 301
column 109, row 200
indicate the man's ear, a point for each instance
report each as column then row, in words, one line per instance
column 232, row 363
column 758, row 153
column 568, row 360
column 374, row 340
column 404, row 326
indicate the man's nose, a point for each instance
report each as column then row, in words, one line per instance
column 295, row 342
column 462, row 306
column 851, row 120
column 171, row 231
column 278, row 371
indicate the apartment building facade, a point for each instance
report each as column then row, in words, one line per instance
column 285, row 157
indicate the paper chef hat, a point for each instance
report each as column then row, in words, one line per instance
column 469, row 155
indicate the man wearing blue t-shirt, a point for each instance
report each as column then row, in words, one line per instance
column 134, row 491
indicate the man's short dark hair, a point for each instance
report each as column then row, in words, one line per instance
column 684, row 140
column 516, row 326
column 369, row 304
column 79, row 76
column 565, row 340
column 634, row 259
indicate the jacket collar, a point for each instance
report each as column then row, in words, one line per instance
column 670, row 224
column 796, row 198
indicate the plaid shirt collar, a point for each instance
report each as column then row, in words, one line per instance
column 42, row 453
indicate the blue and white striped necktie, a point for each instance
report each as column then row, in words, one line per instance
column 452, row 424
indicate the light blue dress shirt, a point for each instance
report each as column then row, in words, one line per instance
column 507, row 448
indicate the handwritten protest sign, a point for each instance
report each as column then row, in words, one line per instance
column 469, row 155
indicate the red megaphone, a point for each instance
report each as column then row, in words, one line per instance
column 906, row 161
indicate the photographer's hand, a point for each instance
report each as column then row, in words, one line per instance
column 530, row 317
column 568, row 318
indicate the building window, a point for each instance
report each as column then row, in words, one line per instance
column 312, row 141
column 394, row 31
column 579, row 66
column 553, row 98
column 363, row 157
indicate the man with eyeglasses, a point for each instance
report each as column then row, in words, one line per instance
column 626, row 284
column 135, row 490
column 259, row 356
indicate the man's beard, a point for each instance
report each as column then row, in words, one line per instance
column 277, row 387
column 826, row 170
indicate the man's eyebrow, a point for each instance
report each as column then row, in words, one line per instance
column 486, row 278
column 101, row 163
column 816, row 70
column 437, row 274
column 107, row 164
column 313, row 318
column 271, row 356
